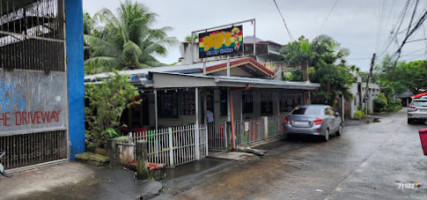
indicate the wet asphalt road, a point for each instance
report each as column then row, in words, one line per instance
column 368, row 161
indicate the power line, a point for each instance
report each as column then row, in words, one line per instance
column 417, row 40
column 329, row 14
column 284, row 22
column 395, row 31
column 413, row 15
column 417, row 25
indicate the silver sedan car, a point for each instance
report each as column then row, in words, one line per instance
column 320, row 120
column 417, row 110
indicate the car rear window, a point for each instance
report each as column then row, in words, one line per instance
column 420, row 103
column 307, row 111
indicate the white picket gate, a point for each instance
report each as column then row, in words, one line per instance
column 174, row 145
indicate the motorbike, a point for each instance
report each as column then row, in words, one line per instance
column 2, row 170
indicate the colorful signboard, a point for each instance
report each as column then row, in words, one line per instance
column 221, row 42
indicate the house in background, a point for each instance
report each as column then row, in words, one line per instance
column 405, row 97
column 41, row 82
column 267, row 53
column 358, row 91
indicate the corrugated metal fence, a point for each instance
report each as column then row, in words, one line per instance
column 246, row 132
column 174, row 145
column 251, row 131
column 33, row 77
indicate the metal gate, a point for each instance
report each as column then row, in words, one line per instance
column 33, row 82
column 217, row 137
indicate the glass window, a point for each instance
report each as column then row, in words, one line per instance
column 307, row 111
column 420, row 103
column 329, row 111
column 168, row 105
column 188, row 104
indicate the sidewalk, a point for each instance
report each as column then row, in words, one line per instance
column 74, row 180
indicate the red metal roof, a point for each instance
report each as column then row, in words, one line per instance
column 237, row 62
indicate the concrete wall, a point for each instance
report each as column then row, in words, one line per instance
column 374, row 91
column 75, row 75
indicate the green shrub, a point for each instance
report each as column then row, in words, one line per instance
column 380, row 104
column 107, row 101
column 394, row 106
column 358, row 114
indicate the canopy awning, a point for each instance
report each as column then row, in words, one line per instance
column 177, row 80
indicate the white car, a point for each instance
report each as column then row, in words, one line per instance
column 417, row 110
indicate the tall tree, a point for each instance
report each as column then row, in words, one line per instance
column 403, row 75
column 126, row 41
column 195, row 38
column 325, row 59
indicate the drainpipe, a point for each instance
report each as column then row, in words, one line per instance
column 233, row 136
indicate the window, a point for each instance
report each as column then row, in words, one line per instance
column 287, row 103
column 168, row 105
column 188, row 105
column 329, row 111
column 307, row 111
column 223, row 103
column 247, row 103
column 267, row 107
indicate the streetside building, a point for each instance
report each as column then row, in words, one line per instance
column 181, row 95
column 41, row 81
column 405, row 97
column 358, row 91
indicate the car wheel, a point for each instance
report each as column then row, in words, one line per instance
column 338, row 133
column 326, row 136
column 409, row 121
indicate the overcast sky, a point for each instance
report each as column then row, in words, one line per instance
column 362, row 26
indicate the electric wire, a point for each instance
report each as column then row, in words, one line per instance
column 284, row 22
column 417, row 25
column 395, row 31
column 327, row 16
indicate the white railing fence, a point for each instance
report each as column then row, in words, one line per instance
column 174, row 145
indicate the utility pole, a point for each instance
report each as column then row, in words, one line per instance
column 305, row 75
column 365, row 96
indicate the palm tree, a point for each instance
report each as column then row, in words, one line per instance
column 126, row 41
column 194, row 39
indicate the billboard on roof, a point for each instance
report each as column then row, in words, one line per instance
column 221, row 42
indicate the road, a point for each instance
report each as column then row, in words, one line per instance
column 369, row 161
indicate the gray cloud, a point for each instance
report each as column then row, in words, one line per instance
column 357, row 25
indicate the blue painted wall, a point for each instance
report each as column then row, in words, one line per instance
column 75, row 67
